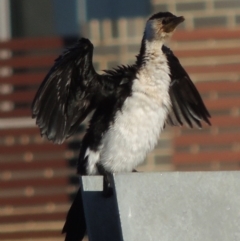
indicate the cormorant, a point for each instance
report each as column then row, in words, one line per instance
column 130, row 105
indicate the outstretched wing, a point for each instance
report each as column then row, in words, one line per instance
column 69, row 92
column 187, row 105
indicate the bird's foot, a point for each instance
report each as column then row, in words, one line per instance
column 107, row 188
column 107, row 177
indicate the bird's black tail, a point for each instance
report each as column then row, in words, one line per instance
column 75, row 225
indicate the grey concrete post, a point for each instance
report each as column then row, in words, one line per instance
column 176, row 206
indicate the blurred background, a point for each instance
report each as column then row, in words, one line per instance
column 37, row 178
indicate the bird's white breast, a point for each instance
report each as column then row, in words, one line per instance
column 138, row 124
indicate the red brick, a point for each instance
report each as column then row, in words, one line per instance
column 29, row 62
column 230, row 68
column 206, row 34
column 51, row 216
column 220, row 52
column 203, row 157
column 220, row 121
column 218, row 86
column 35, row 183
column 222, row 103
column 19, row 132
column 19, row 96
column 34, row 200
column 24, row 79
column 203, row 139
column 32, row 147
column 32, row 43
column 39, row 165
column 31, row 235
column 23, row 112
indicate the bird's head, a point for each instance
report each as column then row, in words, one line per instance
column 160, row 26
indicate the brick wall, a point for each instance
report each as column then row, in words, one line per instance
column 215, row 66
column 203, row 13
column 35, row 178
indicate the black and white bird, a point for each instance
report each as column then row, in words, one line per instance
column 131, row 105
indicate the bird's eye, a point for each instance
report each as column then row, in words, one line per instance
column 164, row 21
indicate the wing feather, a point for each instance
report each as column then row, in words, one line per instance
column 187, row 105
column 69, row 92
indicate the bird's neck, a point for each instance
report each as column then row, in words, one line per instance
column 153, row 67
column 149, row 50
column 153, row 47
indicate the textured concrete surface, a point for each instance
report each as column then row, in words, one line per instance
column 172, row 206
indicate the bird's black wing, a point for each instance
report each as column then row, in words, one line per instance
column 69, row 92
column 187, row 105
